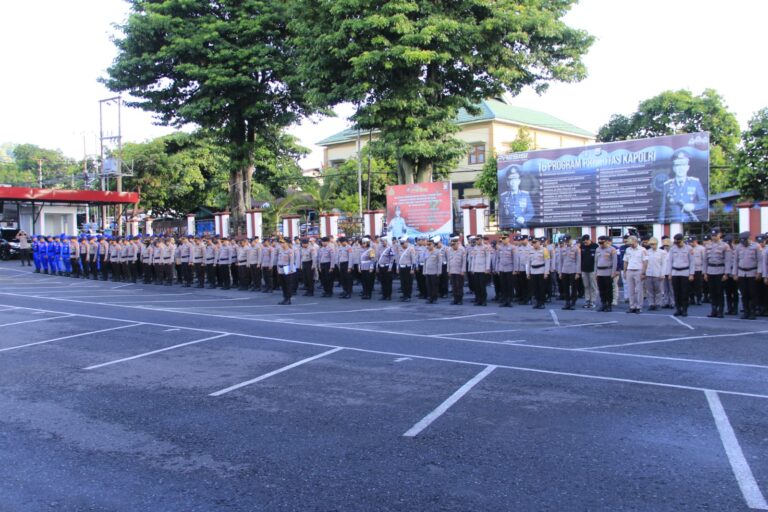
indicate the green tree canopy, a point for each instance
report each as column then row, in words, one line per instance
column 753, row 160
column 673, row 112
column 410, row 65
column 221, row 64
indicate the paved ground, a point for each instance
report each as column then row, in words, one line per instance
column 123, row 397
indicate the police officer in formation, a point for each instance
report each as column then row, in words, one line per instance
column 521, row 267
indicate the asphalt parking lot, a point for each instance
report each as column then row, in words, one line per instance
column 123, row 397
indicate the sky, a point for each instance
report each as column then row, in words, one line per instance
column 54, row 52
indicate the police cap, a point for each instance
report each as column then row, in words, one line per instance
column 715, row 231
column 678, row 237
column 744, row 235
column 602, row 238
column 565, row 238
column 403, row 239
column 760, row 238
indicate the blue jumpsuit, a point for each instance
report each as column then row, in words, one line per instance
column 44, row 256
column 36, row 253
column 65, row 255
column 56, row 262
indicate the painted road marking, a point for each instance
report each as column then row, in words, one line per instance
column 681, row 322
column 72, row 336
column 279, row 370
column 152, row 352
column 741, row 470
column 440, row 410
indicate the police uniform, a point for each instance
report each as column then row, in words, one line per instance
column 747, row 269
column 308, row 260
column 325, row 258
column 678, row 193
column 569, row 258
column 505, row 266
column 406, row 263
column 286, row 270
column 717, row 266
column 367, row 269
column 481, row 269
column 386, row 263
column 606, row 260
column 516, row 208
column 680, row 270
column 456, row 256
column 433, row 266
column 537, row 270
column 254, row 264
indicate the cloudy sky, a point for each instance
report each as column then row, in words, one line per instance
column 54, row 51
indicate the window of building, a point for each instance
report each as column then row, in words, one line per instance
column 477, row 154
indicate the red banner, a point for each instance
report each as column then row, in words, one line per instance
column 421, row 209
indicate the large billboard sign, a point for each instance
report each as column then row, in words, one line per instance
column 656, row 180
column 421, row 209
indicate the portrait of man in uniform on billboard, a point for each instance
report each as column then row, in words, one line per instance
column 396, row 226
column 683, row 198
column 515, row 205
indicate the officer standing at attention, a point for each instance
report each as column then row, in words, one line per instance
column 286, row 270
column 433, row 266
column 505, row 266
column 146, row 261
column 241, row 253
column 522, row 255
column 537, row 271
column 606, row 260
column 406, row 263
column 481, row 271
column 680, row 272
column 635, row 266
column 570, row 271
column 367, row 267
column 697, row 286
column 747, row 269
column 457, row 266
column 254, row 264
column 717, row 266
column 198, row 259
column 386, row 262
column 308, row 259
column 209, row 259
column 325, row 258
column 343, row 255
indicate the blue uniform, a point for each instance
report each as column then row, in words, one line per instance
column 36, row 254
column 514, row 206
column 65, row 255
column 679, row 193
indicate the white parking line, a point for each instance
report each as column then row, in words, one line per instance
column 152, row 352
column 451, row 335
column 741, row 470
column 279, row 370
column 277, row 306
column 36, row 320
column 72, row 336
column 554, row 317
column 463, row 390
column 408, row 320
column 681, row 322
column 667, row 340
column 168, row 301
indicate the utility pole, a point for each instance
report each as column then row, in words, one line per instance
column 40, row 173
column 360, row 178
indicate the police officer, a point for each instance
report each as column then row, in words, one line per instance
column 683, row 195
column 326, row 258
column 254, row 263
column 505, row 266
column 515, row 205
column 481, row 271
column 606, row 261
column 286, row 270
column 570, row 270
column 457, row 266
column 537, row 271
column 680, row 271
column 747, row 269
column 717, row 265
column 308, row 261
column 386, row 262
column 267, row 256
column 406, row 263
column 433, row 266
column 343, row 255
column 367, row 267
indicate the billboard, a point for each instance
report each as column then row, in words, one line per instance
column 655, row 180
column 421, row 209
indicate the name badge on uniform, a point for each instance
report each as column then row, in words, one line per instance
column 691, row 191
column 522, row 202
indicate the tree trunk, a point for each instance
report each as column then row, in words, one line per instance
column 407, row 170
column 424, row 174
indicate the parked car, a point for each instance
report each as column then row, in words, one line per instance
column 15, row 248
column 5, row 250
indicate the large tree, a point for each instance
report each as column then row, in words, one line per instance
column 673, row 112
column 753, row 159
column 221, row 64
column 410, row 65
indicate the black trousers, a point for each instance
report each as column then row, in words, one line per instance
column 569, row 290
column 255, row 276
column 406, row 283
column 25, row 255
column 85, row 265
column 481, row 286
column 243, row 277
column 432, row 283
column 225, row 280
column 421, row 283
column 345, row 277
column 747, row 288
column 286, row 284
column 522, row 288
column 539, row 288
column 457, row 287
column 234, row 272
column 444, row 280
column 731, row 295
column 308, row 277
column 680, row 291
column 326, row 278
column 604, row 288
column 368, row 278
column 199, row 270
column 715, row 283
column 696, row 287
column 147, row 272
column 506, row 287
column 385, row 277
column 210, row 272
column 75, row 266
column 267, row 274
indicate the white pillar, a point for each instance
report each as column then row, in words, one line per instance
column 675, row 228
column 148, row 226
column 539, row 232
column 329, row 224
column 373, row 222
column 466, row 223
column 225, row 224
column 586, row 230
column 764, row 217
column 525, row 231
column 191, row 224
column 601, row 231
column 291, row 226
column 217, row 224
column 479, row 212
column 253, row 223
column 658, row 231
column 133, row 226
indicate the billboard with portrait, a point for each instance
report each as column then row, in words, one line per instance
column 654, row 180
column 420, row 209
